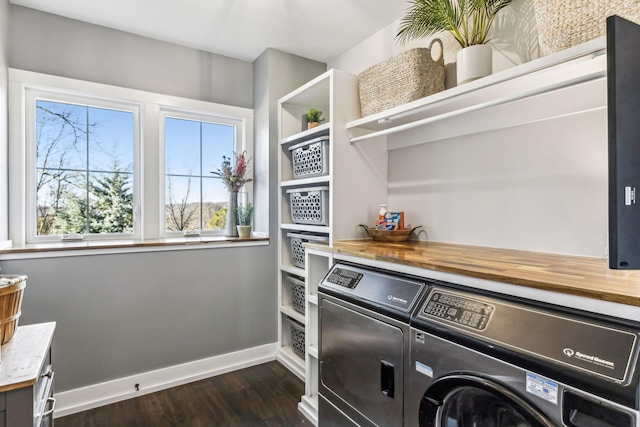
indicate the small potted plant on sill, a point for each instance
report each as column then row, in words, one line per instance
column 314, row 118
column 467, row 21
column 245, row 214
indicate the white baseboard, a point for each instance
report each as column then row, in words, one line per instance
column 93, row 396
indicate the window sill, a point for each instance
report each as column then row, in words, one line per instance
column 63, row 249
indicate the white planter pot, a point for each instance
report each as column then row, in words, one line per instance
column 474, row 62
column 244, row 231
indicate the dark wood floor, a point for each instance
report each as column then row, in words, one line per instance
column 263, row 395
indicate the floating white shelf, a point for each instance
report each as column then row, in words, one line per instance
column 559, row 71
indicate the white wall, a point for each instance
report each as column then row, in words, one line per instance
column 539, row 187
column 4, row 150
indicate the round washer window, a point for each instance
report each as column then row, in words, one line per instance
column 469, row 406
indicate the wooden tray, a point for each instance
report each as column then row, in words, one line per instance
column 389, row 235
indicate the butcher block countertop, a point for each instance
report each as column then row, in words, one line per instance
column 575, row 275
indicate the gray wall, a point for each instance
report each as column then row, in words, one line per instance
column 64, row 47
column 120, row 315
column 276, row 74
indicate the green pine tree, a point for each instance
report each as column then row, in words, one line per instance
column 110, row 210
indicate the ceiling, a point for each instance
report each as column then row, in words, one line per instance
column 243, row 29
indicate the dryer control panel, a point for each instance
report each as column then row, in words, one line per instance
column 454, row 308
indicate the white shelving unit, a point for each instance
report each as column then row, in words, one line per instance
column 357, row 183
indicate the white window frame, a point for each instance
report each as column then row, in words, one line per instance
column 148, row 157
column 240, row 144
column 34, row 94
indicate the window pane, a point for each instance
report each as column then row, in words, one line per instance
column 182, row 147
column 61, row 135
column 195, row 149
column 60, row 202
column 217, row 141
column 214, row 205
column 111, row 203
column 182, row 207
column 110, row 140
column 84, row 176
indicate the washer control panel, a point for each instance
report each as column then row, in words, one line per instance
column 460, row 310
column 344, row 277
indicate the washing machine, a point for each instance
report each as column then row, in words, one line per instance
column 488, row 360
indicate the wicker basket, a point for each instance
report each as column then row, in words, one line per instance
column 562, row 23
column 408, row 76
column 11, row 290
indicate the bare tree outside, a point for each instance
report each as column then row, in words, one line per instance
column 59, row 130
column 180, row 214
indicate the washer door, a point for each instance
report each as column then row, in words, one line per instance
column 467, row 401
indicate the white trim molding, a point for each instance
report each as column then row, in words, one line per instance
column 96, row 395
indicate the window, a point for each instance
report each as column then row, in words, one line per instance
column 107, row 162
column 195, row 200
column 83, row 156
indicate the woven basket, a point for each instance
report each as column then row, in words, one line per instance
column 411, row 75
column 562, row 23
column 11, row 290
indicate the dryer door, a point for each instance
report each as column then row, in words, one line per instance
column 467, row 401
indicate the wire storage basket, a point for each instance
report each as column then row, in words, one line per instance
column 297, row 293
column 309, row 205
column 410, row 75
column 297, row 241
column 297, row 337
column 310, row 158
column 563, row 24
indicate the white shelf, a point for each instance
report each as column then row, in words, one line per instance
column 291, row 312
column 575, row 66
column 312, row 299
column 320, row 130
column 305, row 181
column 303, row 227
column 292, row 269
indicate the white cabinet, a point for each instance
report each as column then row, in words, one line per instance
column 347, row 194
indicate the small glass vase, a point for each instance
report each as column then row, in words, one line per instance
column 231, row 230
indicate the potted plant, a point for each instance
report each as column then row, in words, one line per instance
column 467, row 21
column 314, row 118
column 244, row 213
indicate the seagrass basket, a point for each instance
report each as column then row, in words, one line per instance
column 563, row 24
column 11, row 290
column 410, row 75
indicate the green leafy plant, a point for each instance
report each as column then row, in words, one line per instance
column 245, row 213
column 314, row 116
column 468, row 21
